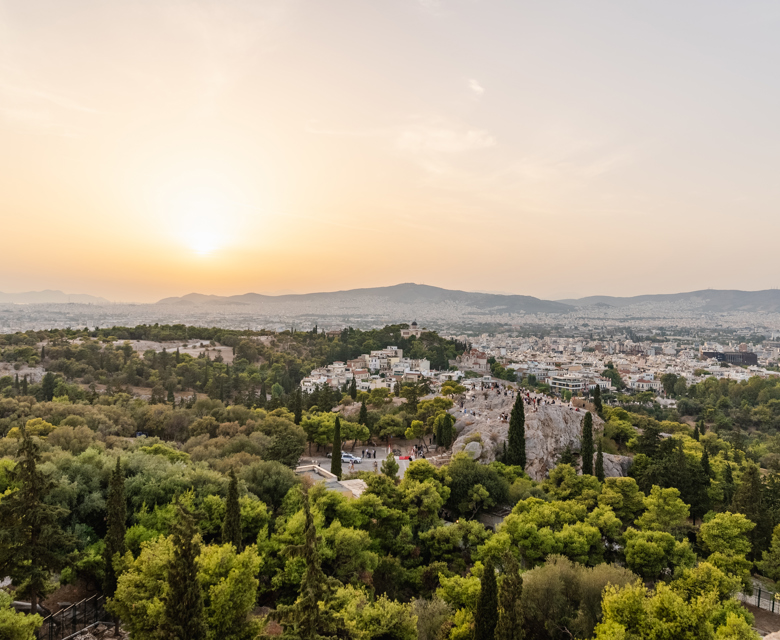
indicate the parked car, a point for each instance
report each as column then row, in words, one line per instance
column 348, row 457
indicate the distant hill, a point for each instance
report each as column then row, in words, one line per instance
column 408, row 293
column 50, row 297
column 713, row 300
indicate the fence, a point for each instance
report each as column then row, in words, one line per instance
column 763, row 599
column 74, row 619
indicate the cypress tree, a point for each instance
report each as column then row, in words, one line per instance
column 749, row 501
column 43, row 353
column 32, row 542
column 183, row 616
column 353, row 389
column 363, row 417
column 597, row 400
column 24, row 386
column 335, row 461
column 305, row 619
column 116, row 522
column 728, row 481
column 171, row 397
column 486, row 615
column 298, row 407
column 231, row 527
column 47, row 386
column 510, row 618
column 16, row 383
column 587, row 444
column 599, row 463
column 696, row 434
column 705, row 463
column 516, row 446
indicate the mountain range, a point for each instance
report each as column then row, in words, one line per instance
column 707, row 300
column 408, row 293
column 50, row 297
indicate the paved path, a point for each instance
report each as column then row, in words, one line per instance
column 366, row 465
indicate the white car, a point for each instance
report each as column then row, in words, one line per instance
column 348, row 457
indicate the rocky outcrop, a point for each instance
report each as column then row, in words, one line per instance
column 615, row 466
column 549, row 431
column 474, row 449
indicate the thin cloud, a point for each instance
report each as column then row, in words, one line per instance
column 477, row 88
column 427, row 138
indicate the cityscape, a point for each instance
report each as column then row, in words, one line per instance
column 409, row 320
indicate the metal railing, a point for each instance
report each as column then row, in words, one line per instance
column 74, row 619
column 763, row 599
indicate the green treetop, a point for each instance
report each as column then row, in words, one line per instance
column 32, row 542
column 231, row 527
column 183, row 614
column 486, row 615
column 509, row 625
column 116, row 523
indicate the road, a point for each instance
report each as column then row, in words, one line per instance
column 366, row 465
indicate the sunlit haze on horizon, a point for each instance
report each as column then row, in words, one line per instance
column 153, row 148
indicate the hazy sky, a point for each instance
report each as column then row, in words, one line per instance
column 551, row 148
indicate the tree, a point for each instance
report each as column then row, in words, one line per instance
column 353, row 389
column 652, row 553
column 770, row 564
column 183, row 617
column 390, row 466
column 308, row 618
column 32, row 542
column 298, row 406
column 749, row 500
column 516, row 446
column 664, row 511
column 16, row 625
column 231, row 526
column 444, row 428
column 562, row 599
column 363, row 416
column 509, row 625
column 335, row 461
column 705, row 463
column 600, row 463
column 116, row 525
column 696, row 434
column 587, row 444
column 486, row 615
column 597, row 400
column 47, row 386
column 668, row 380
column 726, row 537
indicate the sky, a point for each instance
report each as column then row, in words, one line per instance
column 151, row 148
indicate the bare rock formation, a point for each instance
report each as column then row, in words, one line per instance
column 549, row 431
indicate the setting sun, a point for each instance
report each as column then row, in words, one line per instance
column 201, row 218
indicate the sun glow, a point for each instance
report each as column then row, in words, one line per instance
column 203, row 219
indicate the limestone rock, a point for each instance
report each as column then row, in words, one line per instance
column 548, row 432
column 474, row 449
column 615, row 466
